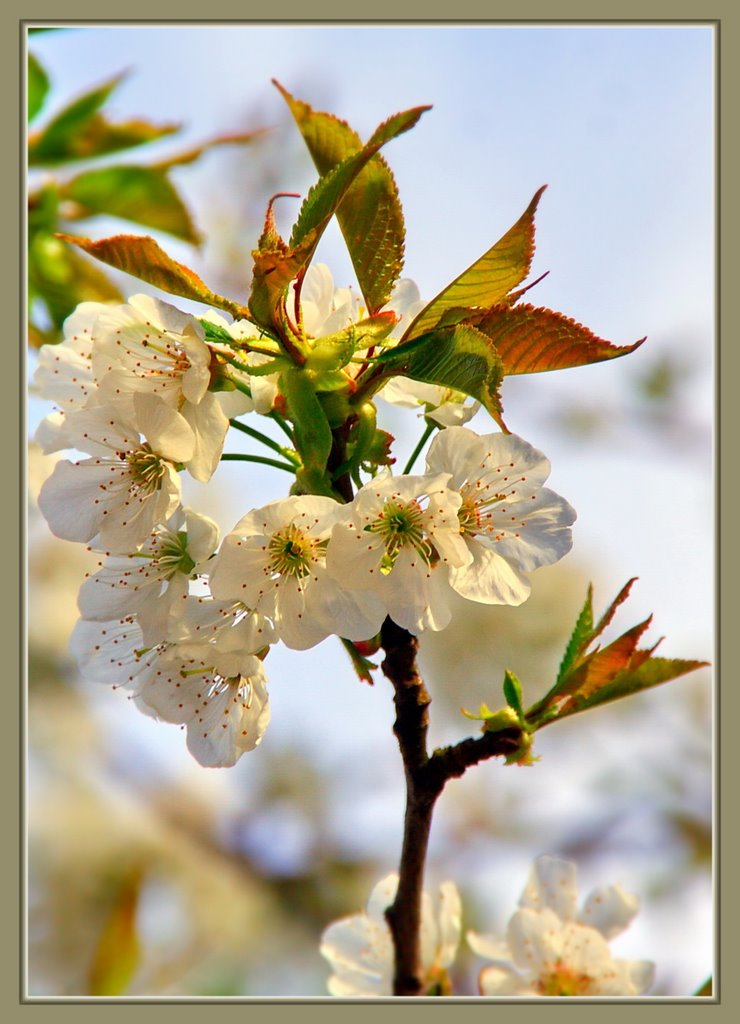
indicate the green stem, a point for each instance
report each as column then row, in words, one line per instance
column 259, row 436
column 229, row 457
column 283, row 424
column 428, row 431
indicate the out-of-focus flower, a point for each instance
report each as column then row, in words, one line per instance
column 510, row 523
column 551, row 949
column 360, row 948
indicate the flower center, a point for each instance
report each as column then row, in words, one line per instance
column 146, row 469
column 401, row 524
column 293, row 553
column 564, row 981
column 474, row 514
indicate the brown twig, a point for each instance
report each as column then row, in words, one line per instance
column 425, row 779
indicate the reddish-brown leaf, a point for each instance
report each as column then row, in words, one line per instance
column 142, row 257
column 531, row 340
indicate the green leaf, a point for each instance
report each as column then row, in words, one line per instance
column 79, row 132
column 458, row 357
column 533, row 340
column 580, row 637
column 143, row 258
column 370, row 215
column 38, row 86
column 134, row 193
column 513, row 693
column 487, row 282
column 275, row 269
column 589, row 678
column 324, row 198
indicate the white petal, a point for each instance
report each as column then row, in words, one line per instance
column 489, row 579
column 552, row 884
column 166, row 430
column 535, row 938
column 502, row 981
column 609, row 910
column 450, row 923
column 209, row 425
column 68, row 499
column 488, row 946
column 202, row 534
column 458, row 451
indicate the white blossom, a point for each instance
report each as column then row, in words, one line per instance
column 215, row 687
column 151, row 583
column 510, row 523
column 399, row 539
column 274, row 560
column 551, row 949
column 263, row 388
column 360, row 948
column 127, row 487
column 64, row 373
column 150, row 346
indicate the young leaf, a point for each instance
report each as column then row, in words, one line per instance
column 487, row 282
column 275, row 269
column 589, row 678
column 533, row 340
column 134, row 193
column 38, row 87
column 143, row 258
column 580, row 637
column 458, row 357
column 513, row 693
column 370, row 215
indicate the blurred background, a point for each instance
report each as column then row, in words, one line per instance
column 220, row 882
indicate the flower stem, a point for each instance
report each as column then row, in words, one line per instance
column 264, row 439
column 430, row 428
column 233, row 457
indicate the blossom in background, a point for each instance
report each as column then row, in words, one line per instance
column 152, row 582
column 510, row 523
column 552, row 949
column 359, row 948
column 274, row 561
column 399, row 538
column 128, row 486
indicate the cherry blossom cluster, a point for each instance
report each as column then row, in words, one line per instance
column 145, row 394
column 551, row 948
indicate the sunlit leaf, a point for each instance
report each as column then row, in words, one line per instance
column 487, row 281
column 588, row 678
column 370, row 215
column 80, row 132
column 580, row 637
column 143, row 258
column 117, row 953
column 274, row 270
column 38, row 86
column 533, row 340
column 457, row 357
column 134, row 193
